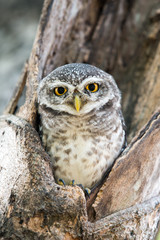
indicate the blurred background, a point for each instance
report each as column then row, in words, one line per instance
column 18, row 24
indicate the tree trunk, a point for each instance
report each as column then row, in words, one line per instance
column 123, row 38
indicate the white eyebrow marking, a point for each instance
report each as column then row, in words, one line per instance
column 58, row 83
column 91, row 80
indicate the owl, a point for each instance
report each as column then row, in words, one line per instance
column 81, row 122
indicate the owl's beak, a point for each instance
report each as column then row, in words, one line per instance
column 77, row 103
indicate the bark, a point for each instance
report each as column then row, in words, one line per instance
column 121, row 37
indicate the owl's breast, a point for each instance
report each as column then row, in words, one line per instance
column 79, row 155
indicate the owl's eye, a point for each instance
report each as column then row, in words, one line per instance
column 59, row 91
column 92, row 87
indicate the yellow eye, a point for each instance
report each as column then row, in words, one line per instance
column 92, row 87
column 59, row 91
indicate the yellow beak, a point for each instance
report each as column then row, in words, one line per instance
column 77, row 103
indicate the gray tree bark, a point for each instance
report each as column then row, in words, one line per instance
column 123, row 38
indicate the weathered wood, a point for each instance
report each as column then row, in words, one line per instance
column 12, row 105
column 137, row 222
column 32, row 205
column 135, row 177
column 147, row 95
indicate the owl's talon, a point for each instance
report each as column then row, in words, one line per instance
column 61, row 182
column 73, row 183
column 87, row 192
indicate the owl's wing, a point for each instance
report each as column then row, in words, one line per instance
column 124, row 128
column 123, row 147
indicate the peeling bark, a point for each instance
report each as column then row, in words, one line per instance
column 121, row 37
column 32, row 205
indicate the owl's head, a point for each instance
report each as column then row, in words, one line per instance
column 78, row 89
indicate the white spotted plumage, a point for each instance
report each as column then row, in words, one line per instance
column 82, row 144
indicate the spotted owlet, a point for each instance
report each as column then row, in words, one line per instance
column 82, row 123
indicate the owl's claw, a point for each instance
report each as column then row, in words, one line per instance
column 87, row 191
column 73, row 183
column 61, row 182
